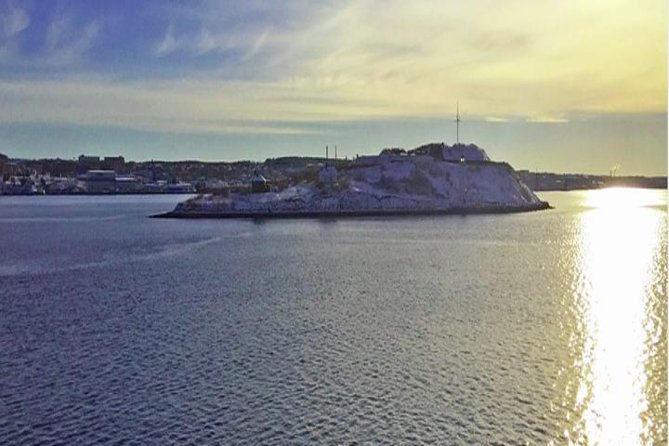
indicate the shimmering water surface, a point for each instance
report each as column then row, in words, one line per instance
column 537, row 328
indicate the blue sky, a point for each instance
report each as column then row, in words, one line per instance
column 580, row 89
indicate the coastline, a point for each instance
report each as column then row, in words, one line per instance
column 491, row 209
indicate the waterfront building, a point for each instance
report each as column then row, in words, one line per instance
column 98, row 181
column 127, row 184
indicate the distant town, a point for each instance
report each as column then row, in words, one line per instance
column 88, row 175
column 545, row 181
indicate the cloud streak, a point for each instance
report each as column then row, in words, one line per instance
column 160, row 107
column 14, row 20
column 66, row 44
column 168, row 44
column 34, row 39
column 217, row 65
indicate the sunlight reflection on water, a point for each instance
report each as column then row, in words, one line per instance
column 622, row 290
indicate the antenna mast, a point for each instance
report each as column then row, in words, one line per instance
column 457, row 123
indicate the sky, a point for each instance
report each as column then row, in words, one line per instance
column 562, row 86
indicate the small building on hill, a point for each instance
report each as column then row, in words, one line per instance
column 259, row 183
column 464, row 152
column 88, row 159
column 116, row 163
column 454, row 153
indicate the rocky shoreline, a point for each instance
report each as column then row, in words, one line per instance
column 491, row 209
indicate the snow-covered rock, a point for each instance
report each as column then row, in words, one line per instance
column 434, row 177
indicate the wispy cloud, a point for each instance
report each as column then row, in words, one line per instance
column 50, row 40
column 495, row 119
column 547, row 119
column 168, row 43
column 203, row 42
column 172, row 107
column 66, row 43
column 225, row 62
column 257, row 46
column 14, row 20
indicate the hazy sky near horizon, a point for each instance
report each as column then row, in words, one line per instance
column 554, row 85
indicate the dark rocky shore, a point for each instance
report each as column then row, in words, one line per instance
column 362, row 213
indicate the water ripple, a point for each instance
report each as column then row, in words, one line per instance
column 299, row 333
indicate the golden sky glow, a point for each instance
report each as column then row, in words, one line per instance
column 259, row 68
column 540, row 61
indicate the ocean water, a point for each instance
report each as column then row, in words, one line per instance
column 538, row 328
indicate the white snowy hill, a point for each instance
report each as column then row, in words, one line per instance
column 431, row 179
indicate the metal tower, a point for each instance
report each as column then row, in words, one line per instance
column 457, row 123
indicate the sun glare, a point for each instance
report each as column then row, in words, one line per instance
column 623, row 198
column 619, row 239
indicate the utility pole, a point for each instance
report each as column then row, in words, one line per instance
column 335, row 151
column 457, row 123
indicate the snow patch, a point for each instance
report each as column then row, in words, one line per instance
column 418, row 181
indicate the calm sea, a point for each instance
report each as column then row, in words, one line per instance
column 536, row 328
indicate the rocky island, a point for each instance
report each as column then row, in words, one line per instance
column 432, row 179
